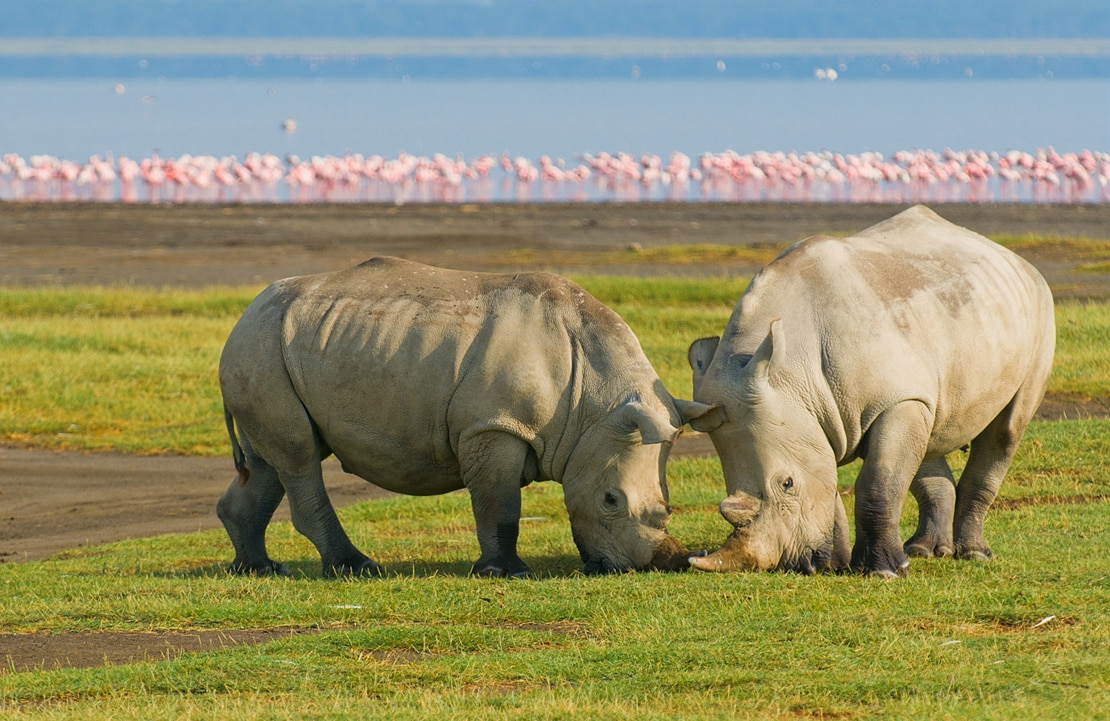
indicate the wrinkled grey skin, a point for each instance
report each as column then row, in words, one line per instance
column 424, row 381
column 898, row 345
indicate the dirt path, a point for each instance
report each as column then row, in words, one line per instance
column 50, row 501
column 57, row 500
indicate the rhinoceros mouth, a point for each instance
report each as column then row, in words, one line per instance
column 804, row 565
column 601, row 566
column 669, row 555
column 818, row 560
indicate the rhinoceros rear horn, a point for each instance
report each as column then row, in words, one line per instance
column 653, row 427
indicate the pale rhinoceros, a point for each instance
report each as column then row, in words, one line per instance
column 424, row 381
column 899, row 345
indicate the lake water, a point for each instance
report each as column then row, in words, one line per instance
column 77, row 118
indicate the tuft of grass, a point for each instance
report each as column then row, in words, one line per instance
column 140, row 385
column 1094, row 268
column 629, row 292
column 1082, row 364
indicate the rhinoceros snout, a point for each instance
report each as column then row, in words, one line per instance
column 670, row 555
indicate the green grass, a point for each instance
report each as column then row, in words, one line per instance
column 1091, row 248
column 124, row 302
column 135, row 370
column 952, row 640
column 696, row 254
column 1082, row 365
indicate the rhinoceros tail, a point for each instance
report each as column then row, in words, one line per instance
column 237, row 455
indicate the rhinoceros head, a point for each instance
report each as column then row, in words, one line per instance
column 615, row 487
column 779, row 468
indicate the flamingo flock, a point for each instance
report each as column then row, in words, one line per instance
column 1044, row 176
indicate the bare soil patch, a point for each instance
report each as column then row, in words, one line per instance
column 48, row 652
column 52, row 501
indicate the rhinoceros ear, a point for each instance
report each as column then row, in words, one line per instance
column 700, row 356
column 653, row 427
column 770, row 355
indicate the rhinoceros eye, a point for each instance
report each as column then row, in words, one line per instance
column 788, row 485
column 614, row 503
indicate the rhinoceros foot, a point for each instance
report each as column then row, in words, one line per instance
column 356, row 568
column 264, row 568
column 877, row 560
column 974, row 553
column 503, row 568
column 922, row 547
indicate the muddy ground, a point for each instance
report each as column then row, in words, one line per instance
column 53, row 501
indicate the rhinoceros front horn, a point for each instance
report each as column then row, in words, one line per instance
column 732, row 556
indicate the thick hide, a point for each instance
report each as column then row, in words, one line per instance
column 426, row 381
column 899, row 345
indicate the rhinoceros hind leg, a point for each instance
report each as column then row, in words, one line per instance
column 990, row 457
column 935, row 491
column 315, row 518
column 245, row 510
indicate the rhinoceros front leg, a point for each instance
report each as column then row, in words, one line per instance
column 492, row 464
column 245, row 510
column 893, row 451
column 935, row 491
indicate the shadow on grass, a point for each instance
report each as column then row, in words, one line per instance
column 561, row 566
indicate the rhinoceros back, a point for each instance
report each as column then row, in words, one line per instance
column 393, row 359
column 914, row 307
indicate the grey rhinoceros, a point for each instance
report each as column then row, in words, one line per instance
column 424, row 381
column 907, row 341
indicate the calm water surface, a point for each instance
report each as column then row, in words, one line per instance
column 76, row 118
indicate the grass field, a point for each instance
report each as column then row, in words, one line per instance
column 133, row 370
column 1023, row 636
